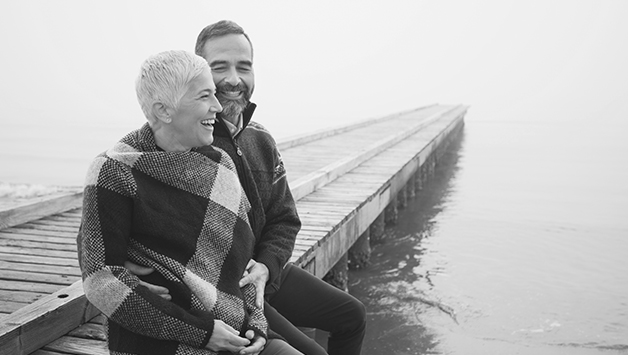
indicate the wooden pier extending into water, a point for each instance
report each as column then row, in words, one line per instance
column 347, row 181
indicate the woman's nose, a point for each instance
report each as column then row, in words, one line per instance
column 215, row 105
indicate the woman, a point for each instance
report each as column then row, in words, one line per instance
column 155, row 200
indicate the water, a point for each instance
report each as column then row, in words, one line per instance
column 519, row 245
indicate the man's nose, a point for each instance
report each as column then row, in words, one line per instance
column 232, row 77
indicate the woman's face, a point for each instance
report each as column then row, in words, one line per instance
column 192, row 122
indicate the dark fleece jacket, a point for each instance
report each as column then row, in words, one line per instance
column 273, row 214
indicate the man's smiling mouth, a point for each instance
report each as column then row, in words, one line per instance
column 231, row 94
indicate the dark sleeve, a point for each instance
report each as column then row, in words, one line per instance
column 282, row 223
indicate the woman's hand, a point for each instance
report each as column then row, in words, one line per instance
column 257, row 344
column 225, row 338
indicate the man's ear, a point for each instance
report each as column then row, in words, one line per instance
column 161, row 112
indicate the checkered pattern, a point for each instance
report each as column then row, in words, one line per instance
column 183, row 214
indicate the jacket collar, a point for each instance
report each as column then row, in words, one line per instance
column 220, row 129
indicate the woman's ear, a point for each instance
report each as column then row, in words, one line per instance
column 161, row 112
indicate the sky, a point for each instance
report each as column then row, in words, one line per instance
column 68, row 67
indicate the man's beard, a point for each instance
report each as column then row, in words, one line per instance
column 231, row 109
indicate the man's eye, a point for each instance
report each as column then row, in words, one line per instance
column 218, row 69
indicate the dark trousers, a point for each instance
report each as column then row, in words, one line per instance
column 304, row 300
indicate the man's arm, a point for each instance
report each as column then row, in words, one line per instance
column 282, row 223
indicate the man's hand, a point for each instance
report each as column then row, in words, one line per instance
column 225, row 338
column 257, row 344
column 256, row 274
column 143, row 270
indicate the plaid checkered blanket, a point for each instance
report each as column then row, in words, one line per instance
column 183, row 214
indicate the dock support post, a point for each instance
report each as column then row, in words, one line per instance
column 411, row 188
column 360, row 252
column 391, row 212
column 402, row 198
column 338, row 276
column 431, row 167
column 418, row 181
column 376, row 230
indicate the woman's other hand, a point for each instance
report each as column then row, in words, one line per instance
column 225, row 338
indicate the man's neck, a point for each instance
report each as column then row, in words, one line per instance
column 234, row 125
column 234, row 120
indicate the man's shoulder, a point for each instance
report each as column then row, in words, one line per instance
column 258, row 133
column 256, row 126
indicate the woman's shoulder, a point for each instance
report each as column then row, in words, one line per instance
column 109, row 169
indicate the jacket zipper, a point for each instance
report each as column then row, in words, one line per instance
column 247, row 185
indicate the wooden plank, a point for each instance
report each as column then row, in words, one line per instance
column 315, row 235
column 48, row 221
column 40, row 252
column 38, row 259
column 8, row 307
column 65, row 217
column 46, row 352
column 312, row 228
column 50, row 226
column 18, row 230
column 319, row 219
column 78, row 346
column 99, row 319
column 16, row 285
column 333, row 204
column 20, row 296
column 36, row 277
column 311, row 182
column 304, row 138
column 40, row 208
column 90, row 330
column 38, row 245
column 48, row 269
column 35, row 325
column 325, row 213
column 35, row 237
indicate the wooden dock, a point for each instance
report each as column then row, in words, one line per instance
column 343, row 180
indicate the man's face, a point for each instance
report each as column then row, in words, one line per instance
column 192, row 121
column 230, row 58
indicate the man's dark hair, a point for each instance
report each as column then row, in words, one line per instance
column 218, row 29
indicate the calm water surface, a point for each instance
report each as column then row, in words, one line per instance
column 518, row 246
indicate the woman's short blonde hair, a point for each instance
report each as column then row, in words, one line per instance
column 164, row 78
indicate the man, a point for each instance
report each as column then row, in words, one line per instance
column 297, row 295
column 291, row 292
